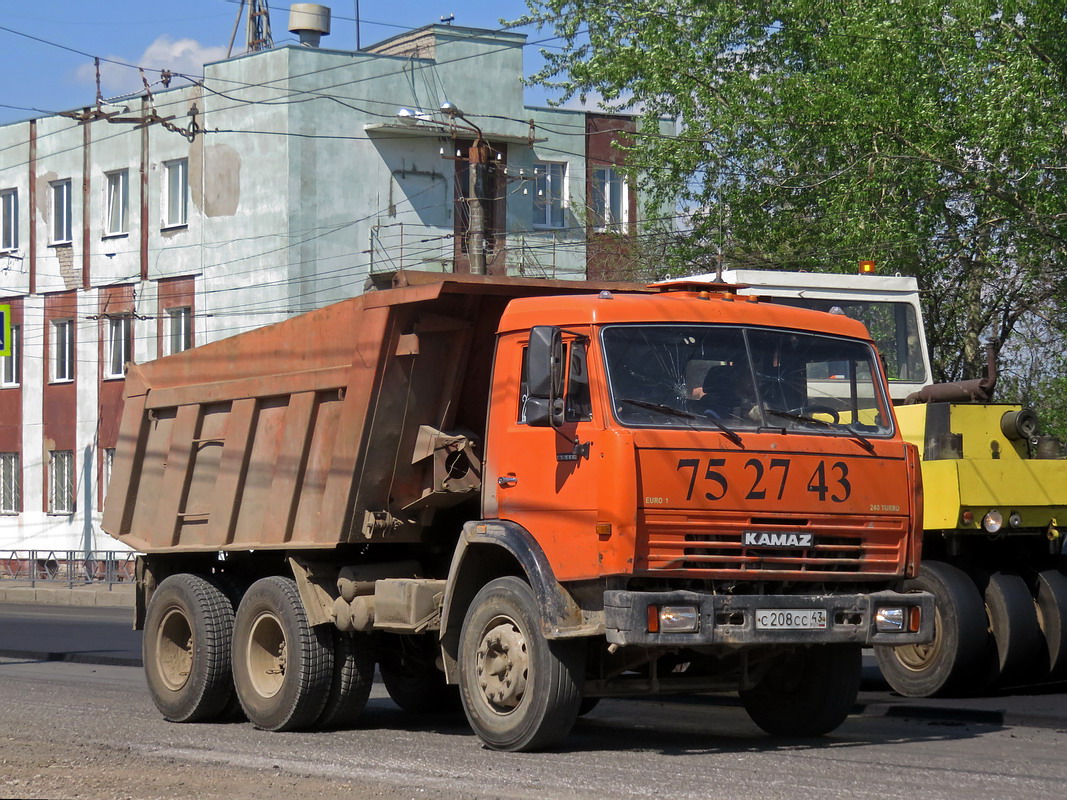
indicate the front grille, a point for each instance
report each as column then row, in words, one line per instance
column 709, row 545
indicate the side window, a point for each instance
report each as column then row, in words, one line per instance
column 524, row 384
column 579, row 408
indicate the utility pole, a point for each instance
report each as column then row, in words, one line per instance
column 478, row 158
column 477, row 168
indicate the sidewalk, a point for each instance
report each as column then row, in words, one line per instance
column 57, row 593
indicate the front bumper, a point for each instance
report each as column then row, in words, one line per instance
column 731, row 619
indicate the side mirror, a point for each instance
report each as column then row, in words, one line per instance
column 544, row 406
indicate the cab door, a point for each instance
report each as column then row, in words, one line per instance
column 546, row 478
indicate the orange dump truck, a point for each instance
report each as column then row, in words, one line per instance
column 519, row 496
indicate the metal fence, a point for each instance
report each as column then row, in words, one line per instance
column 70, row 567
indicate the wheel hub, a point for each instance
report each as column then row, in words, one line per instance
column 918, row 657
column 266, row 655
column 174, row 649
column 503, row 665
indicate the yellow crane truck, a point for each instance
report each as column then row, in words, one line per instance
column 995, row 499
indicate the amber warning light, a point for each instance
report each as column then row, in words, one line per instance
column 5, row 330
column 867, row 267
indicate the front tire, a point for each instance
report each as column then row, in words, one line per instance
column 282, row 667
column 952, row 662
column 520, row 691
column 809, row 691
column 186, row 649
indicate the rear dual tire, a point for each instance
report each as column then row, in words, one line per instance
column 283, row 667
column 186, row 649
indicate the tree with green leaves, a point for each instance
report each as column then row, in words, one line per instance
column 927, row 135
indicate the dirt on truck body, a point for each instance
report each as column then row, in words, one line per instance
column 516, row 497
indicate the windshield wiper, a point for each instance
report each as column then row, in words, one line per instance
column 862, row 440
column 675, row 412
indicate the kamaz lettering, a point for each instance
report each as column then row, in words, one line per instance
column 764, row 539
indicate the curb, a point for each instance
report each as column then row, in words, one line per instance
column 117, row 596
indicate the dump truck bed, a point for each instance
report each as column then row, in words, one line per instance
column 318, row 431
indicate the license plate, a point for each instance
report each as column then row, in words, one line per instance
column 791, row 619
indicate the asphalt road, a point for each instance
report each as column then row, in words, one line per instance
column 89, row 730
column 88, row 634
column 79, row 730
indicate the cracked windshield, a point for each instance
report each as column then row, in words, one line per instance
column 743, row 379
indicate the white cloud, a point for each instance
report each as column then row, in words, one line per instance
column 185, row 56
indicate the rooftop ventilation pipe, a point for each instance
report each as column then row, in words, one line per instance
column 309, row 21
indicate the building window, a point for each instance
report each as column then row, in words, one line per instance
column 118, row 203
column 609, row 204
column 119, row 346
column 549, row 182
column 10, row 484
column 179, row 329
column 61, row 482
column 9, row 219
column 11, row 366
column 61, row 212
column 177, row 202
column 62, row 350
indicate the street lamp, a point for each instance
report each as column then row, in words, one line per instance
column 477, row 158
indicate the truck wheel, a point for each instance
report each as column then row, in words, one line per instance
column 1051, row 600
column 282, row 667
column 520, row 691
column 186, row 649
column 1013, row 623
column 409, row 671
column 947, row 665
column 353, row 674
column 807, row 692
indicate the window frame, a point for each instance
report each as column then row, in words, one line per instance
column 62, row 201
column 10, row 483
column 9, row 220
column 179, row 324
column 545, row 211
column 11, row 366
column 67, row 345
column 603, row 199
column 56, row 508
column 176, row 171
column 121, row 179
column 123, row 326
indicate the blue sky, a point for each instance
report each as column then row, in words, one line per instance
column 39, row 77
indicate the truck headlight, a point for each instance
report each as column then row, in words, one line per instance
column 889, row 619
column 679, row 619
column 992, row 521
